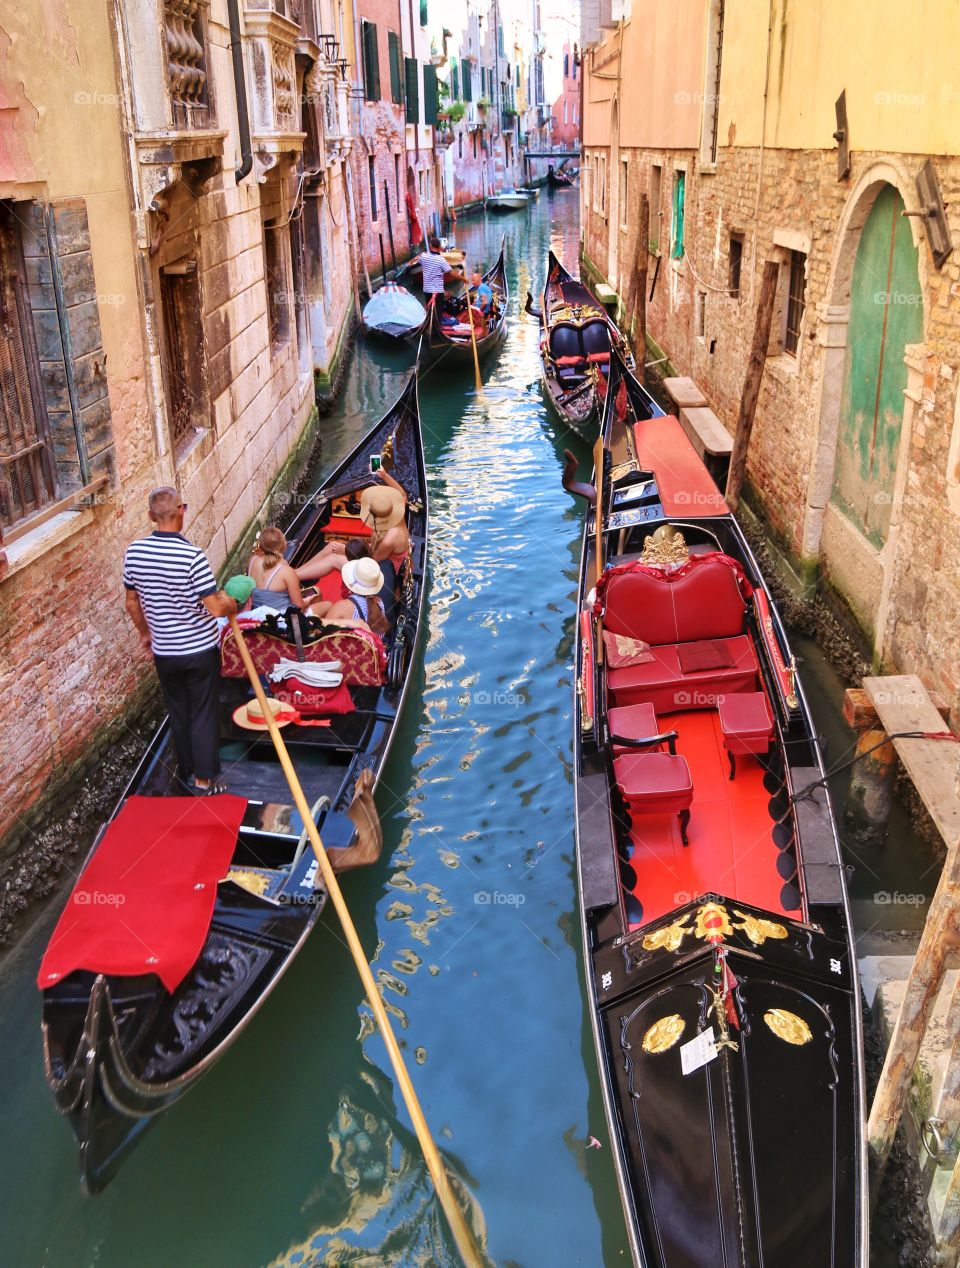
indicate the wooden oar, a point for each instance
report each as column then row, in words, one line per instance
column 473, row 332
column 458, row 1225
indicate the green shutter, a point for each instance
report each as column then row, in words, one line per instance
column 430, row 94
column 454, row 80
column 467, row 82
column 412, row 78
column 676, row 249
column 371, row 62
column 423, row 12
column 396, row 80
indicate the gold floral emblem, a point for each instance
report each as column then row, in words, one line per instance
column 668, row 938
column 665, row 546
column 757, row 929
column 663, row 1034
column 713, row 923
column 788, row 1026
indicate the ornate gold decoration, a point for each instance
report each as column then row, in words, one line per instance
column 663, row 1034
column 387, row 454
column 250, row 881
column 788, row 1026
column 665, row 546
column 713, row 923
column 793, row 701
column 668, row 938
column 719, row 1010
column 622, row 469
column 757, row 929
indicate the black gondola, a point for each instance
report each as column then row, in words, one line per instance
column 719, row 953
column 118, row 1050
column 576, row 338
column 558, row 179
column 454, row 344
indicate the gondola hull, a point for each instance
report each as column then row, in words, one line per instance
column 118, row 1050
column 443, row 349
column 727, row 1029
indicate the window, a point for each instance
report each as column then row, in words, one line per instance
column 602, row 183
column 371, row 61
column 711, row 86
column 565, row 110
column 623, row 191
column 656, row 183
column 795, row 302
column 700, row 315
column 372, row 175
column 500, row 40
column 423, row 13
column 467, row 82
column 275, row 243
column 26, row 459
column 396, row 77
column 460, row 144
column 676, row 216
column 566, row 65
column 454, row 80
column 736, row 263
column 396, row 178
column 574, row 64
column 431, row 96
column 587, row 173
column 412, row 78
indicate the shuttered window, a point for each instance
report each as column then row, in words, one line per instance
column 676, row 220
column 467, row 82
column 423, row 12
column 371, row 62
column 430, row 95
column 454, row 80
column 396, row 74
column 412, row 79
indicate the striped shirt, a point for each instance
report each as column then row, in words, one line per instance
column 171, row 578
column 435, row 268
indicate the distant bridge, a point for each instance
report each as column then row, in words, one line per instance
column 551, row 154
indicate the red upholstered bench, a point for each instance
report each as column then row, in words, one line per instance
column 746, row 723
column 704, row 600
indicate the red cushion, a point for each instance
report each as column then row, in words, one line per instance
column 346, row 526
column 654, row 783
column 705, row 602
column 599, row 356
column 745, row 721
column 632, row 722
column 315, row 701
column 568, row 361
column 659, row 682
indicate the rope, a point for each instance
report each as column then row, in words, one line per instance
column 896, row 735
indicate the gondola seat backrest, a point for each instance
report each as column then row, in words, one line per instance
column 595, row 336
column 565, row 346
column 361, row 655
column 701, row 600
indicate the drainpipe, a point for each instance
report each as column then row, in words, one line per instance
column 240, row 86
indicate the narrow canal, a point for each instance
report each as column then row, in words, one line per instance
column 294, row 1150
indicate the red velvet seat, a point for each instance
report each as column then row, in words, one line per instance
column 635, row 722
column 746, row 724
column 656, row 783
column 661, row 683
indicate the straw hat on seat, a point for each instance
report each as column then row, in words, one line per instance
column 250, row 715
column 382, row 507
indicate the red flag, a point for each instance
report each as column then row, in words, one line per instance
column 416, row 233
column 729, row 985
column 620, row 404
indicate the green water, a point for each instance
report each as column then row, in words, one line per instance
column 296, row 1147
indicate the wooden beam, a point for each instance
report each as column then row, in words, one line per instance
column 751, row 383
column 638, row 316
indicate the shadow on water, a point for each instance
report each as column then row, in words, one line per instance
column 296, row 1148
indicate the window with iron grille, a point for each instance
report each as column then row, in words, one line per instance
column 371, row 61
column 396, row 75
column 26, row 458
column 412, row 76
column 795, row 302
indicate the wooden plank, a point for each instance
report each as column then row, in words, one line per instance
column 708, row 434
column 684, row 392
column 751, row 382
column 902, row 704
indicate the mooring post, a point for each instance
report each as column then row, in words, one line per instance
column 874, row 769
column 638, row 317
column 751, row 382
column 948, row 1231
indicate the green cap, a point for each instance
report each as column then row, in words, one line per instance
column 240, row 588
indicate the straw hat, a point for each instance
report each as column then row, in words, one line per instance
column 383, row 505
column 362, row 576
column 250, row 715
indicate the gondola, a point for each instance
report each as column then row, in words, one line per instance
column 576, row 338
column 454, row 345
column 393, row 313
column 123, row 1045
column 557, row 179
column 719, row 955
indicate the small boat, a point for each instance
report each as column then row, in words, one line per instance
column 203, row 950
column 577, row 336
column 719, row 955
column 509, row 200
column 454, row 343
column 532, row 192
column 393, row 313
column 558, row 179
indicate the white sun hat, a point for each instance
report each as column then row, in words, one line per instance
column 362, row 576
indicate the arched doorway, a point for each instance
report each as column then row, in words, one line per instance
column 886, row 314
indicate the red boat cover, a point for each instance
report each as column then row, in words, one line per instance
column 684, row 483
column 145, row 900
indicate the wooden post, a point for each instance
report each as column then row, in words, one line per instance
column 638, row 317
column 947, row 1108
column 948, row 1234
column 870, row 797
column 751, row 384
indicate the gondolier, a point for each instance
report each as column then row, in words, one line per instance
column 435, row 269
column 173, row 600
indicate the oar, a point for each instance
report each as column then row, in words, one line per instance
column 458, row 1226
column 473, row 332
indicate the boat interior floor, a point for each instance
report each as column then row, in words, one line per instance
column 733, row 849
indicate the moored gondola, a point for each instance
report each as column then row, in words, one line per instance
column 576, row 339
column 558, row 179
column 393, row 313
column 719, row 955
column 448, row 335
column 136, row 1010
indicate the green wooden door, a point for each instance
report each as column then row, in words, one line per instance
column 886, row 313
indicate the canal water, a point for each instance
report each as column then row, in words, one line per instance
column 296, row 1148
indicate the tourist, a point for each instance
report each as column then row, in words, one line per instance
column 276, row 583
column 332, row 557
column 362, row 608
column 483, row 294
column 173, row 600
column 384, row 508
